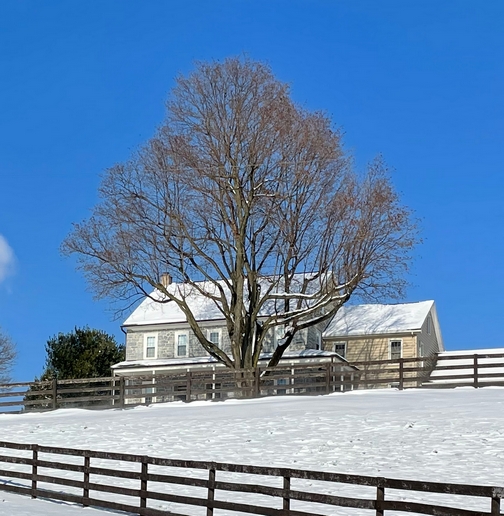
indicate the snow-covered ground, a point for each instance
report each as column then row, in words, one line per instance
column 446, row 436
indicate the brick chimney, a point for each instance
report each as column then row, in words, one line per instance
column 165, row 279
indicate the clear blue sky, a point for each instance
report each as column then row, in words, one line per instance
column 82, row 84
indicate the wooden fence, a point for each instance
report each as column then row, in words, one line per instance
column 220, row 383
column 152, row 486
column 476, row 370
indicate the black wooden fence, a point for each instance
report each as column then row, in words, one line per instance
column 219, row 383
column 153, row 486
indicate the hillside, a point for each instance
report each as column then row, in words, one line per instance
column 446, row 436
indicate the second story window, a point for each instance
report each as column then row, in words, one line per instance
column 181, row 344
column 395, row 351
column 340, row 348
column 150, row 346
column 214, row 337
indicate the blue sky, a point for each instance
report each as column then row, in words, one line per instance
column 83, row 84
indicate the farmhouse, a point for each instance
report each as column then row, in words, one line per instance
column 159, row 339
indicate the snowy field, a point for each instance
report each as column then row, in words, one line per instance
column 446, row 436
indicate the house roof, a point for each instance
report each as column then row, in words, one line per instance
column 153, row 310
column 376, row 319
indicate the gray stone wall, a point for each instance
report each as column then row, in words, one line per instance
column 166, row 343
column 306, row 338
column 134, row 346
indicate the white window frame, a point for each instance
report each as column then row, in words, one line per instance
column 176, row 344
column 146, row 337
column 219, row 332
column 390, row 347
column 339, row 343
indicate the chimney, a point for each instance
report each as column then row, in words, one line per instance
column 165, row 279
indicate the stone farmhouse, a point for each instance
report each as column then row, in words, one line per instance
column 159, row 340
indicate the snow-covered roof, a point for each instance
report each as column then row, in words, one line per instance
column 375, row 319
column 153, row 310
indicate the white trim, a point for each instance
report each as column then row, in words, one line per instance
column 176, row 344
column 146, row 338
column 390, row 347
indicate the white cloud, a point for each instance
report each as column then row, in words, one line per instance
column 6, row 259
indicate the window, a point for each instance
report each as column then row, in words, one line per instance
column 429, row 324
column 214, row 337
column 395, row 349
column 150, row 345
column 340, row 348
column 181, row 344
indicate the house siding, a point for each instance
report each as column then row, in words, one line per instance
column 429, row 341
column 361, row 349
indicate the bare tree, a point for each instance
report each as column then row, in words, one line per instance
column 7, row 357
column 248, row 199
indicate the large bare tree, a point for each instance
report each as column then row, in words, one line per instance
column 248, row 199
column 7, row 357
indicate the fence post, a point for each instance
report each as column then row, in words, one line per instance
column 380, row 497
column 85, row 493
column 143, row 482
column 476, row 383
column 121, row 392
column 34, row 471
column 286, row 494
column 328, row 377
column 257, row 383
column 54, row 389
column 211, row 491
column 401, row 374
column 495, row 511
column 188, row 386
column 496, row 498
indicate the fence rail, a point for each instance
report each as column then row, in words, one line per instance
column 476, row 370
column 219, row 383
column 145, row 490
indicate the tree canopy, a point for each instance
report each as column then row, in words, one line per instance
column 250, row 200
column 7, row 357
column 81, row 353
